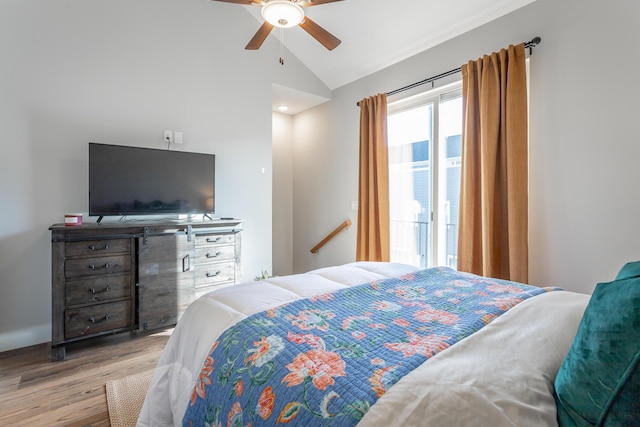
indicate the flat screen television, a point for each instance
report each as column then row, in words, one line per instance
column 143, row 181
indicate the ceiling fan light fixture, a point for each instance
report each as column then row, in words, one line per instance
column 282, row 13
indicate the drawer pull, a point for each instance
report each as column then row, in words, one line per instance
column 93, row 290
column 97, row 267
column 214, row 256
column 93, row 248
column 94, row 320
column 217, row 273
column 216, row 240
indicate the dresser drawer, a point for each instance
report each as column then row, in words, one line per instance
column 97, row 247
column 97, row 266
column 98, row 289
column 214, row 253
column 97, row 318
column 214, row 239
column 214, row 274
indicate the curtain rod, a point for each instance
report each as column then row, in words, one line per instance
column 530, row 45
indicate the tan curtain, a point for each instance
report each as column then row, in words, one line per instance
column 493, row 233
column 373, row 189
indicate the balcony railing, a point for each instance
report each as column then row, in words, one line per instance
column 411, row 243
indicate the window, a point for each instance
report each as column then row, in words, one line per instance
column 424, row 177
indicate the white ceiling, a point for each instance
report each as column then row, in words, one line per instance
column 379, row 33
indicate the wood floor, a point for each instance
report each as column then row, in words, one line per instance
column 35, row 391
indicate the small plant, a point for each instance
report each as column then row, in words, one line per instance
column 264, row 275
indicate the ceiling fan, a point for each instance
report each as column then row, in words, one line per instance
column 287, row 14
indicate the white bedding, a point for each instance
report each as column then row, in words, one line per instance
column 500, row 376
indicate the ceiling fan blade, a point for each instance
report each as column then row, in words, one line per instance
column 247, row 2
column 325, row 38
column 259, row 37
column 317, row 2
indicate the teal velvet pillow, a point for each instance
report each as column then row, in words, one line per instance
column 599, row 381
column 629, row 270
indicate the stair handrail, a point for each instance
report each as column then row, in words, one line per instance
column 331, row 235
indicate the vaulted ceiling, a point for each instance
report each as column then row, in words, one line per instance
column 379, row 33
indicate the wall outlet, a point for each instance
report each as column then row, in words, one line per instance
column 177, row 137
column 354, row 205
column 168, row 136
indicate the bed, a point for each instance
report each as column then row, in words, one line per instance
column 499, row 372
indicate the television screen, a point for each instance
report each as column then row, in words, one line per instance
column 141, row 181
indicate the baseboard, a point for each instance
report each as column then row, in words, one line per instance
column 25, row 337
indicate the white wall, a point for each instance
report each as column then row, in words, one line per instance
column 584, row 221
column 282, row 194
column 122, row 71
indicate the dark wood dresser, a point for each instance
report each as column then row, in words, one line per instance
column 126, row 276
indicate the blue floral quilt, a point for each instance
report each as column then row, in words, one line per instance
column 325, row 360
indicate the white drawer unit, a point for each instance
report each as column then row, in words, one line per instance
column 216, row 261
